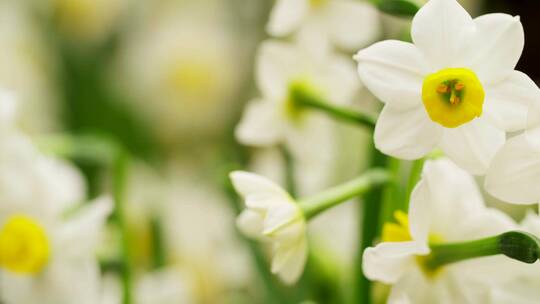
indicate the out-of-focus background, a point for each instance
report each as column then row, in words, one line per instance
column 168, row 80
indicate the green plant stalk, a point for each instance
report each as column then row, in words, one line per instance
column 159, row 256
column 304, row 99
column 329, row 198
column 392, row 196
column 370, row 214
column 289, row 171
column 517, row 245
column 119, row 172
column 414, row 176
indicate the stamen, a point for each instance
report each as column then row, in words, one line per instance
column 442, row 88
column 459, row 86
column 454, row 99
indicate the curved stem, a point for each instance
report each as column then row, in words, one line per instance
column 516, row 245
column 329, row 198
column 303, row 98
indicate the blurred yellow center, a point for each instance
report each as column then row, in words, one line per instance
column 453, row 96
column 24, row 246
column 398, row 231
column 193, row 77
column 317, row 3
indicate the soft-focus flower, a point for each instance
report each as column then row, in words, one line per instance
column 273, row 216
column 275, row 118
column 445, row 207
column 514, row 174
column 181, row 70
column 28, row 68
column 454, row 88
column 47, row 246
column 347, row 23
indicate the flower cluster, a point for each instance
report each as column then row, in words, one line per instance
column 453, row 102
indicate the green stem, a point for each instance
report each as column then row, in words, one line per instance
column 414, row 177
column 158, row 246
column 329, row 198
column 516, row 245
column 370, row 213
column 289, row 171
column 392, row 194
column 120, row 166
column 303, row 98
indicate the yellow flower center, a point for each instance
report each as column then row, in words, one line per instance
column 398, row 231
column 317, row 3
column 194, row 77
column 24, row 247
column 453, row 96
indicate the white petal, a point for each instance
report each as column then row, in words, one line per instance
column 407, row 134
column 85, row 225
column 277, row 64
column 507, row 102
column 420, row 209
column 340, row 79
column 496, row 46
column 257, row 190
column 533, row 123
column 286, row 16
column 442, row 29
column 8, row 108
column 280, row 216
column 251, row 224
column 445, row 195
column 393, row 71
column 353, row 24
column 473, row 145
column 289, row 262
column 514, row 174
column 261, row 124
column 387, row 262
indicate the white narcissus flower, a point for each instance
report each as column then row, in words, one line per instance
column 46, row 256
column 514, row 174
column 446, row 206
column 273, row 216
column 454, row 88
column 274, row 118
column 331, row 19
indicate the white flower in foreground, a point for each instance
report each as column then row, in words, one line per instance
column 272, row 215
column 514, row 174
column 46, row 248
column 331, row 19
column 445, row 207
column 454, row 88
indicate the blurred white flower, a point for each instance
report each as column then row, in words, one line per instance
column 514, row 173
column 211, row 262
column 28, row 68
column 347, row 23
column 274, row 119
column 273, row 216
column 446, row 206
column 47, row 247
column 181, row 69
column 454, row 88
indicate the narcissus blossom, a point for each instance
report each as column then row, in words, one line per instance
column 454, row 87
column 272, row 215
column 47, row 241
column 446, row 206
column 349, row 24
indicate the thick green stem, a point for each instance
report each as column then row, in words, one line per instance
column 159, row 256
column 303, row 98
column 517, row 245
column 392, row 197
column 120, row 166
column 368, row 226
column 316, row 204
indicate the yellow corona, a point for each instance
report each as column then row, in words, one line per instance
column 453, row 96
